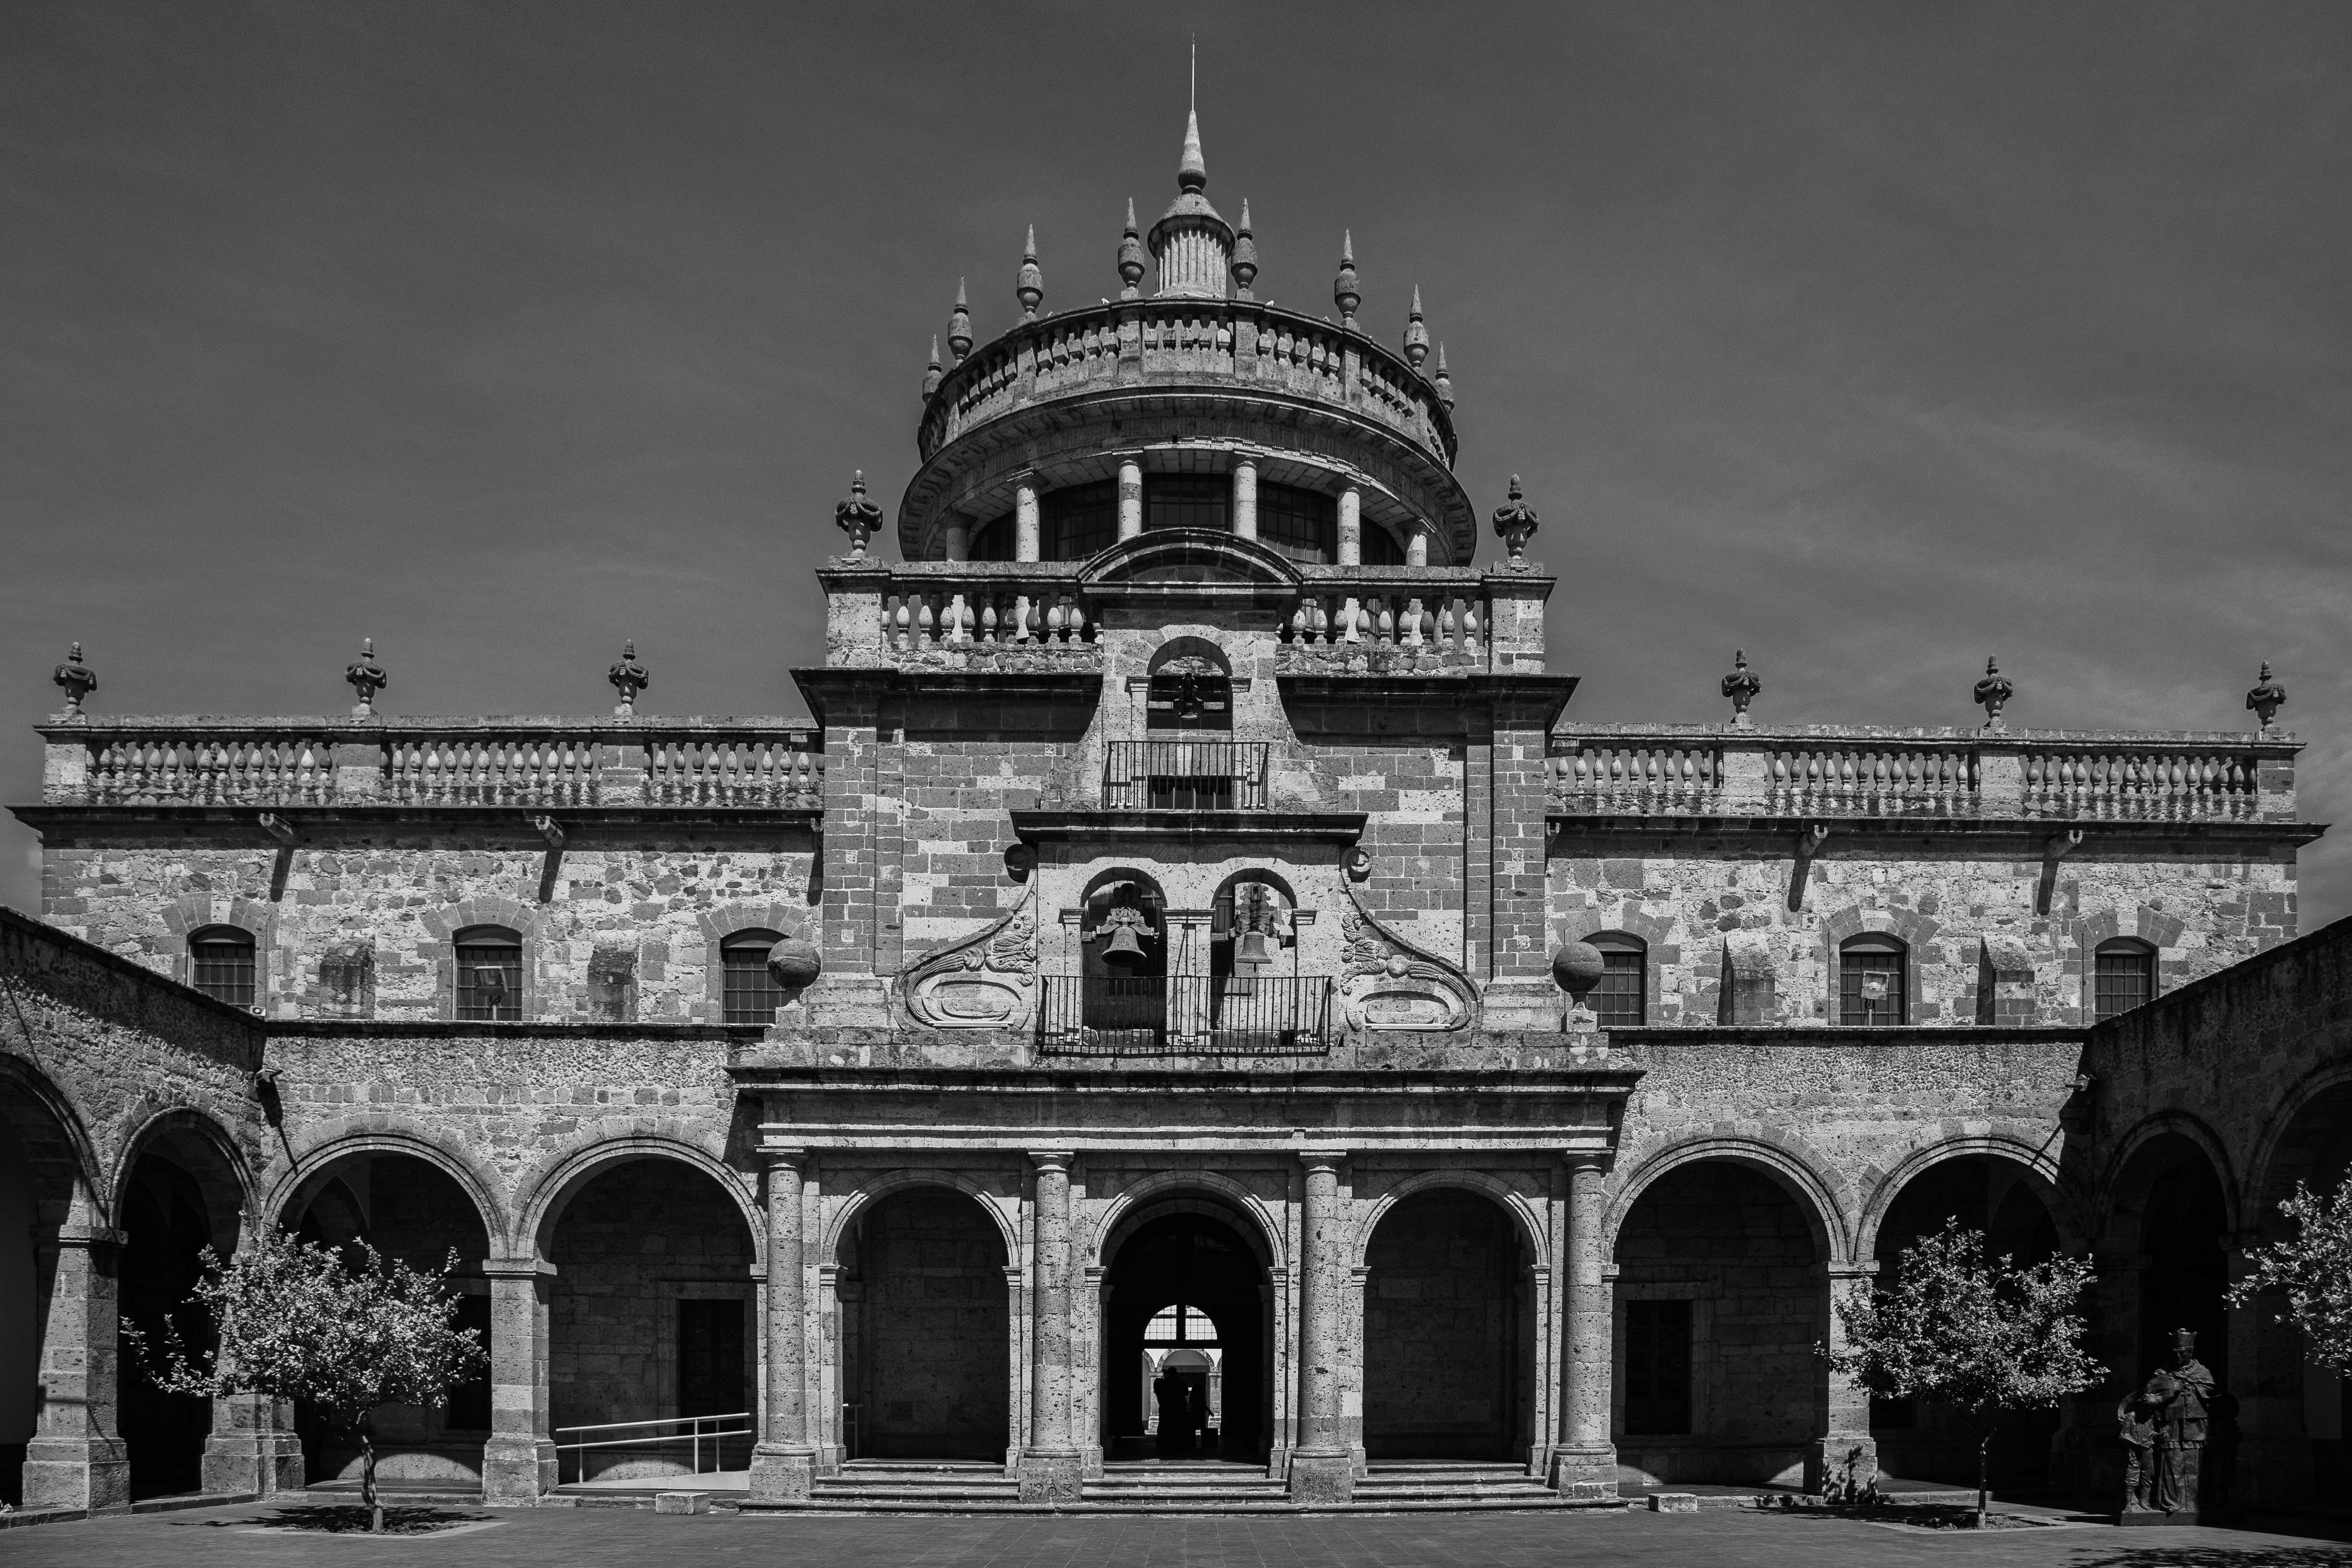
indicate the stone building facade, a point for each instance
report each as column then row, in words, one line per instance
column 1188, row 892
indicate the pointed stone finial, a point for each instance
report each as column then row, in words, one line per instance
column 1741, row 686
column 1992, row 692
column 2263, row 702
column 1444, row 382
column 628, row 678
column 77, row 680
column 1244, row 263
column 1130, row 257
column 1031, row 288
column 1191, row 168
column 1343, row 288
column 1416, row 333
column 960, row 327
column 1516, row 522
column 931, row 373
column 857, row 516
column 366, row 677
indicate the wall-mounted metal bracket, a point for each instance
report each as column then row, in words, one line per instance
column 2054, row 848
column 550, row 829
column 1809, row 845
column 279, row 828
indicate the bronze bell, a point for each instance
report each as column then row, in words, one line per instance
column 1122, row 948
column 1252, row 950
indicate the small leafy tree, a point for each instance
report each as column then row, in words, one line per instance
column 2315, row 1270
column 1984, row 1338
column 295, row 1320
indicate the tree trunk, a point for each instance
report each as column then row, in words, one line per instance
column 367, row 1479
column 1984, row 1466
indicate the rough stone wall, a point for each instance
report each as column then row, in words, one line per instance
column 404, row 898
column 1441, row 1325
column 1412, row 794
column 2200, row 915
column 932, row 1328
column 958, row 794
column 1740, row 1250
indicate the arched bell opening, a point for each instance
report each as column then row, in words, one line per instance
column 1123, row 958
column 1185, row 1340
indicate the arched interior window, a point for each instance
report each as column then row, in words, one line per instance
column 220, row 964
column 2123, row 974
column 1076, row 520
column 992, row 540
column 1379, row 546
column 1870, row 979
column 1622, row 998
column 489, row 974
column 1298, row 523
column 751, row 992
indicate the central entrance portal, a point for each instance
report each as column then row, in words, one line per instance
column 1185, row 1343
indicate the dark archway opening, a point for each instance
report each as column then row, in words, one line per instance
column 1201, row 1263
column 2314, row 1149
column 165, row 1228
column 1448, row 1332
column 926, row 1330
column 1992, row 1195
column 410, row 1209
column 2183, row 1233
column 1720, row 1301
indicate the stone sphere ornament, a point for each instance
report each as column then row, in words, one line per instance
column 1360, row 865
column 794, row 962
column 1577, row 966
column 1020, row 860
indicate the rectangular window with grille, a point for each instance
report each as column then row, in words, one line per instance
column 223, row 969
column 489, row 983
column 1619, row 1001
column 1188, row 501
column 1869, row 987
column 2123, row 980
column 753, row 994
column 1657, row 1366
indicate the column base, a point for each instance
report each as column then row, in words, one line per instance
column 517, row 1470
column 1842, row 1465
column 1326, row 1479
column 258, row 1462
column 1051, row 1476
column 89, row 1473
column 1584, row 1473
column 781, row 1474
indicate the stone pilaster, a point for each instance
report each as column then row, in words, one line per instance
column 519, row 1461
column 1052, row 1468
column 1843, row 1458
column 1586, row 1458
column 77, row 1457
column 253, row 1447
column 1322, row 1466
column 783, row 1461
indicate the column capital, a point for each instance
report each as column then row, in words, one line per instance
column 1053, row 1159
column 1850, row 1270
column 1314, row 1159
column 530, row 1267
column 1585, row 1159
column 791, row 1154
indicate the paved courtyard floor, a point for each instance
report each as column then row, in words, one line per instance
column 585, row 1538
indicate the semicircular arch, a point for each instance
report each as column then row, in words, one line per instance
column 2040, row 1171
column 1138, row 1205
column 54, row 1142
column 225, row 1182
column 2123, row 1185
column 1800, row 1174
column 543, row 1194
column 2279, row 1126
column 300, row 1182
column 855, row 1204
column 1514, row 1204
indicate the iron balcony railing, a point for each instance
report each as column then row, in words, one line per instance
column 1184, row 1015
column 1185, row 775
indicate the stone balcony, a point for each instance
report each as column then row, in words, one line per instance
column 1598, row 773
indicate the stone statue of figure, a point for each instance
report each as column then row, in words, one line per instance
column 2186, row 1415
column 2139, row 1418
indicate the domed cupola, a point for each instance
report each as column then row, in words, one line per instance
column 1192, row 244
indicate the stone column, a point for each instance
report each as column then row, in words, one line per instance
column 1416, row 543
column 1086, row 1368
column 825, row 1422
column 1051, row 1469
column 1026, row 528
column 1322, row 1466
column 784, row 1462
column 253, row 1447
column 1351, row 526
column 1131, row 497
column 1246, row 499
column 1844, row 1458
column 1585, row 1463
column 77, row 1457
column 519, row 1461
column 956, row 534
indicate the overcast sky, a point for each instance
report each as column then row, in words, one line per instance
column 1871, row 338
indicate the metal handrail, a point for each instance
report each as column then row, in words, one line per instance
column 694, row 1436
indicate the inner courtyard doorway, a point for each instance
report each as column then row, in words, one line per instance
column 1185, row 1307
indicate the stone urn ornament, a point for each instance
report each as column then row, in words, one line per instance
column 77, row 680
column 629, row 678
column 2263, row 702
column 1741, row 686
column 1992, row 692
column 367, row 678
column 1516, row 523
column 858, row 517
column 1577, row 968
